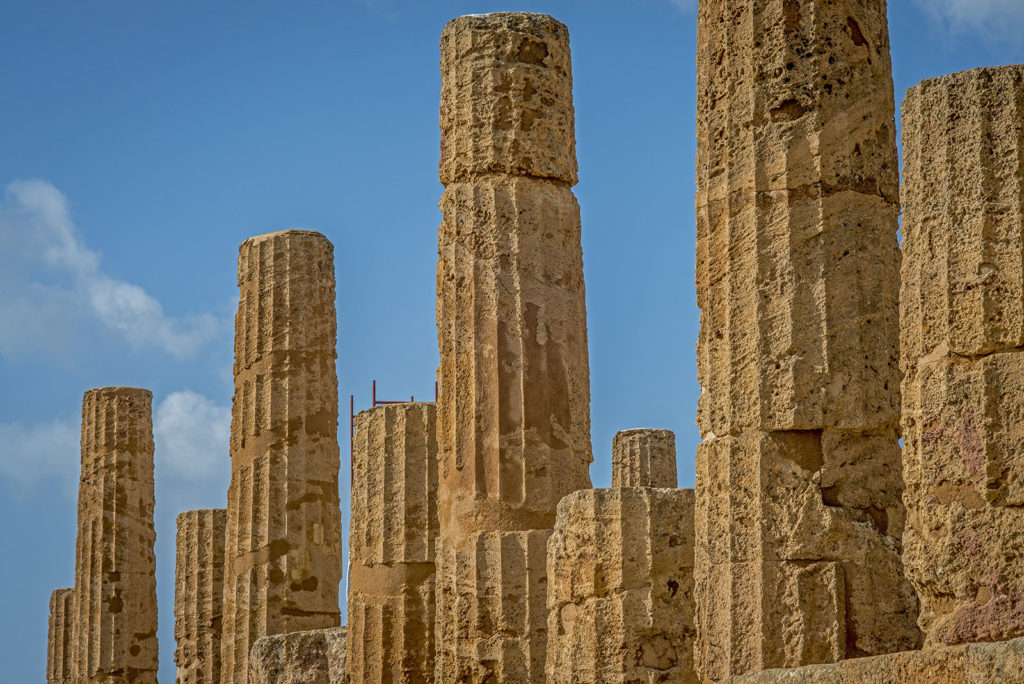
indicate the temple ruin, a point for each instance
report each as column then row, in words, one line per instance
column 814, row 546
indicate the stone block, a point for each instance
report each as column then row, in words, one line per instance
column 312, row 657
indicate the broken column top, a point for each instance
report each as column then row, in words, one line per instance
column 506, row 98
column 117, row 431
column 967, row 76
column 644, row 457
column 290, row 232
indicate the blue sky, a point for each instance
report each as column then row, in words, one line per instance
column 142, row 142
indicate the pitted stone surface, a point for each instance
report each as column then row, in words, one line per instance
column 312, row 657
column 199, row 595
column 644, row 457
column 963, row 353
column 620, row 587
column 391, row 545
column 58, row 642
column 799, row 517
column 115, row 608
column 283, row 546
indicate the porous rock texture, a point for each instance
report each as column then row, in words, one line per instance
column 963, row 353
column 312, row 657
column 620, row 587
column 391, row 545
column 115, row 609
column 199, row 595
column 283, row 547
column 644, row 457
column 514, row 410
column 58, row 641
column 798, row 500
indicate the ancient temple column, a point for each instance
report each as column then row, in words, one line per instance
column 798, row 509
column 391, row 545
column 620, row 587
column 962, row 308
column 283, row 547
column 644, row 457
column 199, row 595
column 514, row 411
column 115, row 610
column 58, row 641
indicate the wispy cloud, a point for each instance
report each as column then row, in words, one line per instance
column 684, row 5
column 42, row 452
column 191, row 433
column 995, row 18
column 57, row 285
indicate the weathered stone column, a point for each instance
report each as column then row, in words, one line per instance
column 963, row 353
column 115, row 606
column 314, row 657
column 514, row 411
column 620, row 587
column 199, row 595
column 58, row 642
column 391, row 545
column 798, row 510
column 283, row 548
column 644, row 457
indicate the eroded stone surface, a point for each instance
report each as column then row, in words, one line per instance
column 312, row 657
column 620, row 587
column 963, row 353
column 391, row 545
column 58, row 642
column 799, row 517
column 199, row 595
column 283, row 548
column 115, row 569
column 644, row 457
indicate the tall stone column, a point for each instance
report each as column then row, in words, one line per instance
column 798, row 509
column 962, row 309
column 514, row 411
column 283, row 545
column 391, row 545
column 643, row 457
column 58, row 642
column 115, row 610
column 199, row 595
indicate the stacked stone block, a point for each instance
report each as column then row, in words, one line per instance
column 199, row 595
column 963, row 353
column 58, row 642
column 313, row 657
column 391, row 545
column 115, row 609
column 283, row 544
column 643, row 457
column 798, row 509
column 514, row 412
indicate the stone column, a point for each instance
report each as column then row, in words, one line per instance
column 314, row 657
column 391, row 545
column 620, row 587
column 643, row 457
column 798, row 509
column 283, row 548
column 115, row 610
column 962, row 309
column 514, row 411
column 58, row 642
column 199, row 595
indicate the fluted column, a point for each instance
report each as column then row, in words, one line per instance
column 199, row 595
column 798, row 509
column 115, row 609
column 962, row 317
column 391, row 545
column 514, row 411
column 644, row 457
column 283, row 547
column 58, row 642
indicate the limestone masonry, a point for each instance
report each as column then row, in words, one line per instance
column 858, row 511
column 283, row 547
column 391, row 545
column 199, row 595
column 798, row 509
column 514, row 411
column 962, row 309
column 114, row 620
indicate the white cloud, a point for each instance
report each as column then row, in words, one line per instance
column 191, row 434
column 36, row 230
column 32, row 454
column 684, row 5
column 1002, row 18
